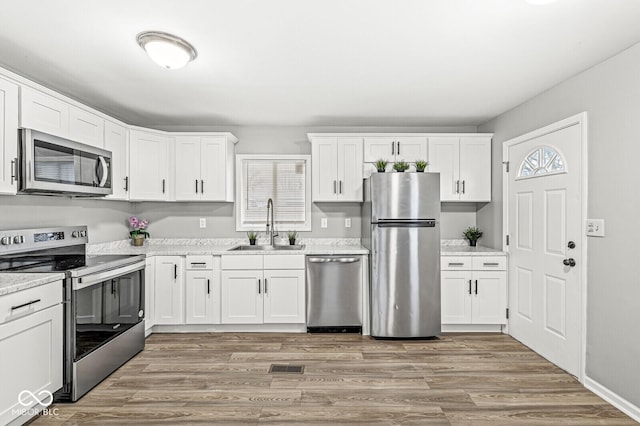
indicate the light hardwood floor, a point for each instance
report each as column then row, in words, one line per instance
column 459, row 379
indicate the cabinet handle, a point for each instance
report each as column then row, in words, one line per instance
column 196, row 186
column 14, row 176
column 175, row 271
column 456, row 264
column 398, row 147
column 198, row 263
column 163, row 184
column 265, row 286
column 393, row 148
column 341, row 187
column 126, row 184
column 476, row 286
column 202, row 186
column 13, row 308
column 457, row 187
column 334, row 187
column 469, row 286
column 259, row 286
column 113, row 288
column 490, row 264
column 208, row 286
column 463, row 186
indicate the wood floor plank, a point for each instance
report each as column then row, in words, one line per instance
column 223, row 378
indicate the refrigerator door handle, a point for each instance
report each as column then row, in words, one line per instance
column 424, row 223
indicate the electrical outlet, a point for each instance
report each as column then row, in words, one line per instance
column 203, row 222
column 323, row 222
column 595, row 227
column 347, row 222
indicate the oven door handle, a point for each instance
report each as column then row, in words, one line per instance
column 89, row 280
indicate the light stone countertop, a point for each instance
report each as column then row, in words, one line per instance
column 10, row 282
column 470, row 251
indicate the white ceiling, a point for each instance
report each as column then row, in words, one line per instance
column 313, row 62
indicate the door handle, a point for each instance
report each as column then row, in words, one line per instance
column 476, row 286
column 469, row 286
column 457, row 187
column 163, row 184
column 175, row 271
column 334, row 187
column 259, row 286
column 398, row 147
column 265, row 286
column 202, row 186
column 196, row 186
column 571, row 245
column 208, row 286
column 463, row 186
column 393, row 148
column 126, row 184
column 340, row 187
column 569, row 262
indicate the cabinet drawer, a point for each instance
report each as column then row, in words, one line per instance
column 284, row 261
column 18, row 304
column 455, row 263
column 242, row 262
column 199, row 262
column 489, row 263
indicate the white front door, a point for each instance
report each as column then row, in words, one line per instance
column 544, row 225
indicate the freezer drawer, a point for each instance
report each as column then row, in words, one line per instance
column 334, row 291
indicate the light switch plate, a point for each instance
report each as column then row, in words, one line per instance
column 595, row 227
column 347, row 222
column 323, row 222
column 203, row 222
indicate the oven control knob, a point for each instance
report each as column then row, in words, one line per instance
column 75, row 234
column 83, row 234
column 18, row 239
column 5, row 241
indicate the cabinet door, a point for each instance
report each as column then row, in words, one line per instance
column 31, row 349
column 200, row 298
column 149, row 166
column 169, row 289
column 455, row 297
column 187, row 176
column 349, row 152
column 214, row 169
column 475, row 169
column 149, row 293
column 85, row 127
column 489, row 299
column 324, row 178
column 116, row 141
column 43, row 112
column 379, row 147
column 284, row 296
column 411, row 148
column 444, row 158
column 8, row 137
column 241, row 294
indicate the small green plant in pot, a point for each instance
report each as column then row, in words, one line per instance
column 401, row 166
column 421, row 165
column 472, row 234
column 253, row 236
column 292, row 237
column 381, row 165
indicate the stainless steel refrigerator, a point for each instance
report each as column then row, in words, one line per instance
column 401, row 228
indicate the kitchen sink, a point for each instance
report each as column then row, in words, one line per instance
column 267, row 248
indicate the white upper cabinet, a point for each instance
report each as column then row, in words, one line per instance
column 379, row 147
column 51, row 115
column 464, row 164
column 149, row 166
column 395, row 148
column 336, row 168
column 86, row 127
column 116, row 140
column 204, row 169
column 8, row 137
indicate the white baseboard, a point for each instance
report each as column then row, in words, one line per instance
column 471, row 328
column 230, row 328
column 613, row 398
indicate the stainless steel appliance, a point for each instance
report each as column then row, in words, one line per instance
column 401, row 228
column 334, row 293
column 55, row 166
column 103, row 301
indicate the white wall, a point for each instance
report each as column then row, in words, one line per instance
column 610, row 93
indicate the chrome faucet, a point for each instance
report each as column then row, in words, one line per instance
column 271, row 230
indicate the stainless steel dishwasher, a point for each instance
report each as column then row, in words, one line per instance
column 334, row 294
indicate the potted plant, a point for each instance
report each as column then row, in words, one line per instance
column 292, row 237
column 421, row 165
column 472, row 234
column 253, row 236
column 138, row 230
column 401, row 166
column 381, row 165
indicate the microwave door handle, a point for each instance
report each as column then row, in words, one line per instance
column 102, row 163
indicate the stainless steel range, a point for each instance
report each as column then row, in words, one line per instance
column 103, row 300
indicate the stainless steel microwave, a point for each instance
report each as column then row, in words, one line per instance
column 55, row 166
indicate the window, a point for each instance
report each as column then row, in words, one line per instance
column 285, row 179
column 541, row 161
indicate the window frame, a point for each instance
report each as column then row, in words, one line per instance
column 240, row 180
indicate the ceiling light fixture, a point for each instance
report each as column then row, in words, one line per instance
column 540, row 2
column 167, row 50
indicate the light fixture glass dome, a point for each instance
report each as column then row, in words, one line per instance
column 167, row 50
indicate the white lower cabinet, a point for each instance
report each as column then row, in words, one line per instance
column 31, row 346
column 258, row 289
column 474, row 290
column 169, row 289
column 202, row 290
